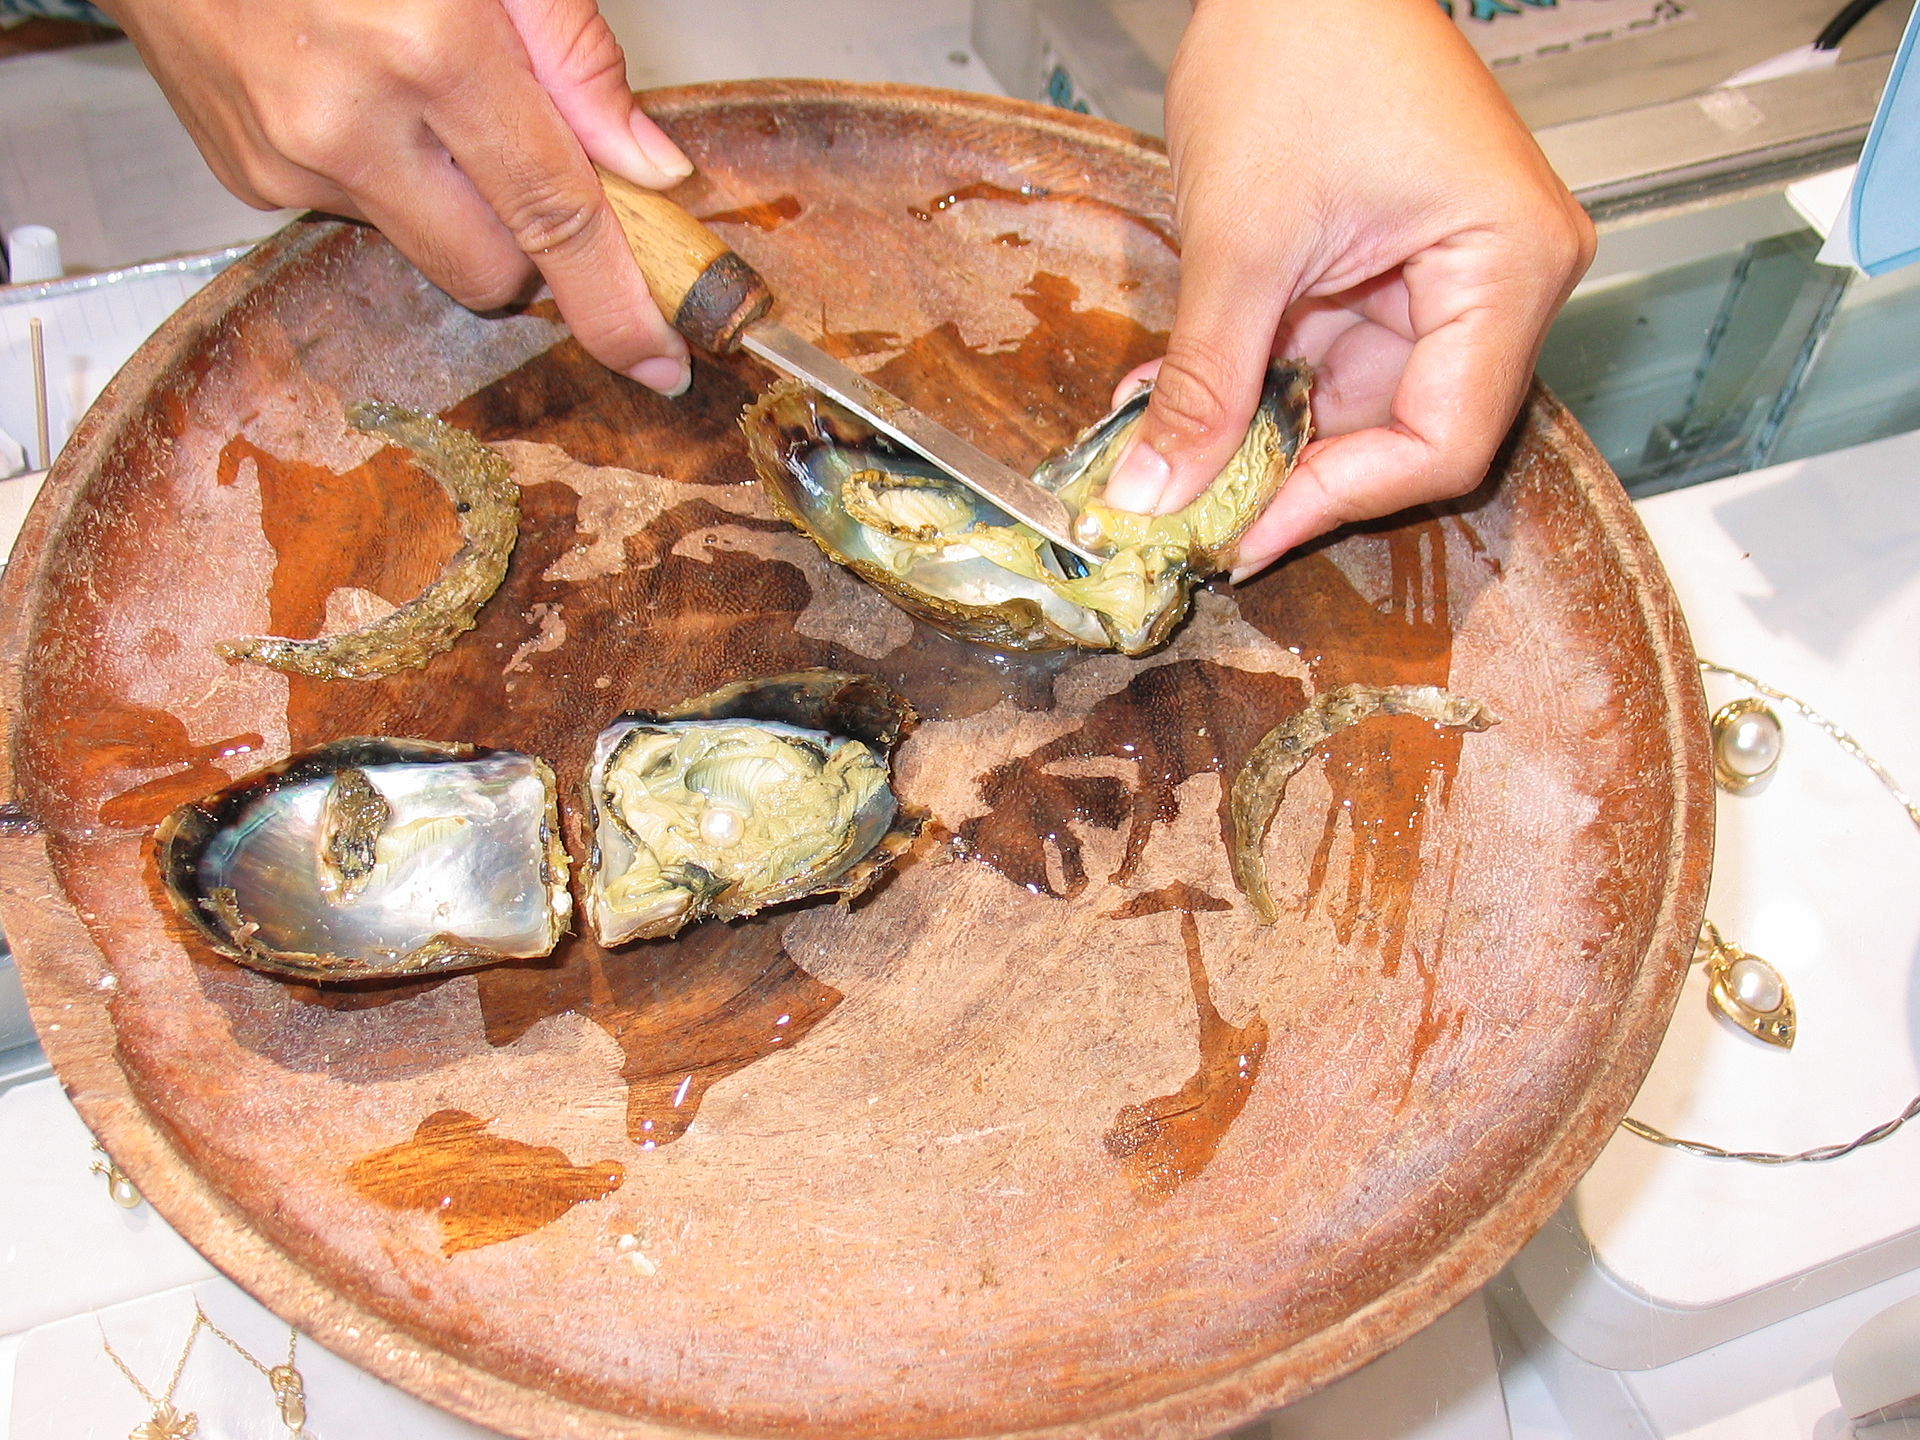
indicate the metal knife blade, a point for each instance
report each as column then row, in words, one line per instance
column 1001, row 484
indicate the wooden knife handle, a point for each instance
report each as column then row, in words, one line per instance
column 708, row 292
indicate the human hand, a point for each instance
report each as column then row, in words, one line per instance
column 467, row 130
column 1351, row 188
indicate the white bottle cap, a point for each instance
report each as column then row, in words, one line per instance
column 33, row 253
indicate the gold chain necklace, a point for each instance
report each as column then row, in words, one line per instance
column 165, row 1423
column 289, row 1388
column 1722, row 956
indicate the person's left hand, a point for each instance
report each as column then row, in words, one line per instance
column 1351, row 189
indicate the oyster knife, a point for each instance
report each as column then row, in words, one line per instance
column 719, row 302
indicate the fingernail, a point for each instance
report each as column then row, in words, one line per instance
column 665, row 156
column 671, row 376
column 1138, row 480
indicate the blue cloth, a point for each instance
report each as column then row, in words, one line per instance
column 1886, row 190
column 81, row 10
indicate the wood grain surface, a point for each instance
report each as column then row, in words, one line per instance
column 1047, row 1135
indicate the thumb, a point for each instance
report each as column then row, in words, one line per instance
column 578, row 62
column 1228, row 309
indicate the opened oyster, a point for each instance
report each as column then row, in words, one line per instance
column 370, row 858
column 758, row 793
column 944, row 554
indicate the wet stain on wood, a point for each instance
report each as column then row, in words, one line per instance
column 1167, row 1141
column 482, row 1188
column 1157, row 226
column 112, row 741
column 686, row 1013
column 1069, row 360
column 1170, row 722
column 765, row 216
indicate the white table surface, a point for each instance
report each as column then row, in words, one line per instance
column 1807, row 576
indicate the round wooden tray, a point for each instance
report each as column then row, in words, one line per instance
column 1048, row 1136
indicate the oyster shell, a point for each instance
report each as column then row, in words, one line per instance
column 1262, row 782
column 964, row 566
column 370, row 858
column 760, row 792
column 480, row 482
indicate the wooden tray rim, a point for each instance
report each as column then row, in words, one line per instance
column 61, row 968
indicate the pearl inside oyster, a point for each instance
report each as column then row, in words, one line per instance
column 759, row 793
column 957, row 562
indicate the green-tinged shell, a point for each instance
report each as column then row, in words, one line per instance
column 758, row 793
column 953, row 559
column 481, row 484
column 1262, row 781
column 374, row 858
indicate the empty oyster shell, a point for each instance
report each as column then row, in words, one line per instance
column 370, row 858
column 953, row 559
column 760, row 792
column 478, row 479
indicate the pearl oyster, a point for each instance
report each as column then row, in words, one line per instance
column 371, row 858
column 954, row 560
column 760, row 792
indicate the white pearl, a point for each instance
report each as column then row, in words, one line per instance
column 1755, row 984
column 1749, row 744
column 721, row 826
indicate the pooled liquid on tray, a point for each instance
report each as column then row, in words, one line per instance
column 1170, row 722
column 1154, row 225
column 763, row 215
column 1168, row 1140
column 122, row 740
column 481, row 1188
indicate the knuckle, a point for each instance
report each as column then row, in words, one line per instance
column 621, row 339
column 1451, row 484
column 479, row 282
column 553, row 217
column 593, row 54
column 1586, row 239
column 491, row 288
column 417, row 53
column 1190, row 397
column 306, row 134
column 266, row 183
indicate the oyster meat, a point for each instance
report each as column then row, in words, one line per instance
column 953, row 559
column 371, row 858
column 758, row 793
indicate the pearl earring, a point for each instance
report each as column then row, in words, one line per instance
column 1746, row 745
column 1742, row 987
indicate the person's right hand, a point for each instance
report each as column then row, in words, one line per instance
column 467, row 130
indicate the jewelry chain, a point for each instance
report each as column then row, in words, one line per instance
column 179, row 1366
column 165, row 1422
column 1885, row 1128
column 289, row 1389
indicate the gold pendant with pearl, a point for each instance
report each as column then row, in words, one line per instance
column 1746, row 990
